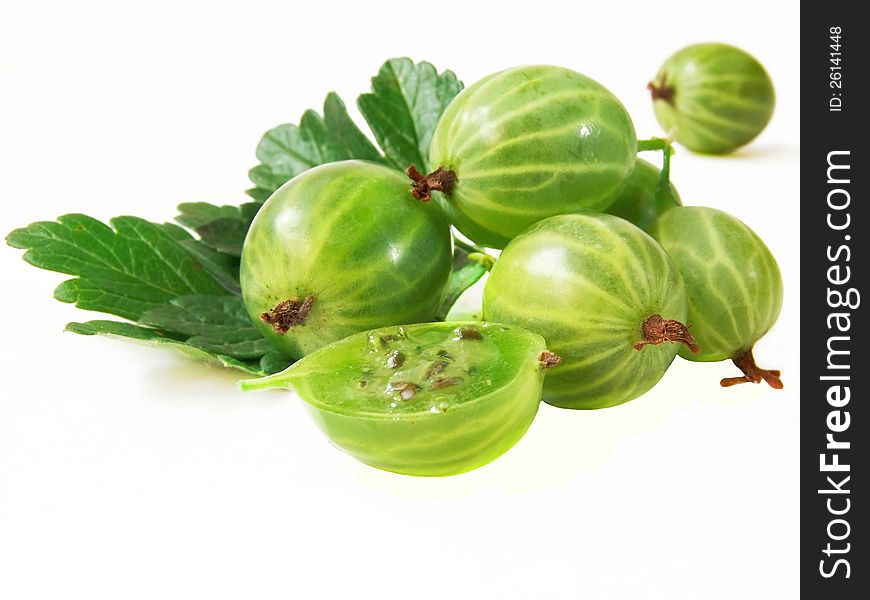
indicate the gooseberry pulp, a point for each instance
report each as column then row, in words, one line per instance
column 339, row 249
column 733, row 283
column 426, row 399
column 605, row 296
column 524, row 144
column 713, row 98
column 640, row 202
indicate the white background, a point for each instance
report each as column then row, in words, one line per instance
column 126, row 472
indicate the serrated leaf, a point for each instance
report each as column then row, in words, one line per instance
column 259, row 194
column 223, row 267
column 124, row 270
column 135, row 333
column 120, row 329
column 218, row 324
column 183, row 291
column 288, row 150
column 404, row 106
column 268, row 180
column 222, row 228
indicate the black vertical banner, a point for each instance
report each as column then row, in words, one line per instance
column 835, row 371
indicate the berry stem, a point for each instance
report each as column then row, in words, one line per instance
column 485, row 260
column 656, row 330
column 664, row 196
column 752, row 373
column 475, row 254
column 654, row 143
column 441, row 180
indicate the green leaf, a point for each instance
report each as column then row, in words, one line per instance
column 288, row 150
column 120, row 329
column 469, row 265
column 222, row 228
column 259, row 194
column 184, row 292
column 124, row 270
column 153, row 337
column 406, row 101
column 215, row 329
column 274, row 362
column 223, row 267
column 217, row 324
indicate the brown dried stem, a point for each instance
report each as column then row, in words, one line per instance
column 548, row 359
column 288, row 313
column 657, row 330
column 661, row 91
column 752, row 373
column 441, row 180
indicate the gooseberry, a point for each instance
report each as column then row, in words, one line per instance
column 733, row 283
column 524, row 144
column 712, row 97
column 339, row 249
column 426, row 399
column 605, row 296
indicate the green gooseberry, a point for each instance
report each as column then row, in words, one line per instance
column 425, row 399
column 713, row 98
column 733, row 283
column 524, row 144
column 342, row 248
column 606, row 297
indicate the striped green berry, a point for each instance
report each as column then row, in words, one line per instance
column 638, row 201
column 525, row 144
column 713, row 98
column 427, row 399
column 733, row 283
column 339, row 249
column 605, row 296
